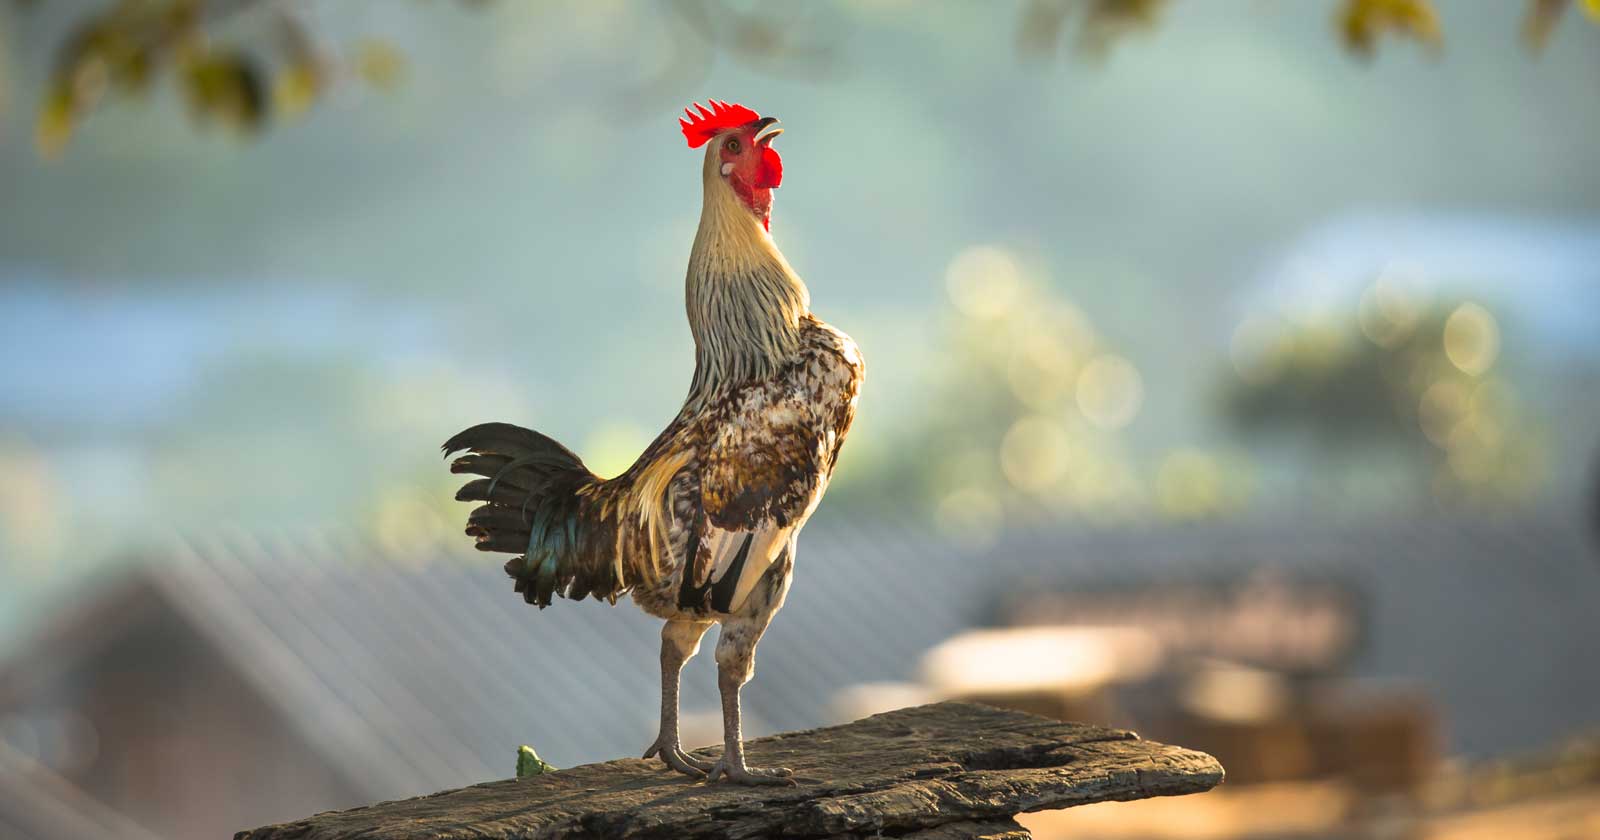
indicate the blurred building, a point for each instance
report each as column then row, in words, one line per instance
column 236, row 681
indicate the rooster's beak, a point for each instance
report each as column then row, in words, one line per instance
column 761, row 125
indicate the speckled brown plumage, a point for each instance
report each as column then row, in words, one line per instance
column 754, row 459
column 703, row 528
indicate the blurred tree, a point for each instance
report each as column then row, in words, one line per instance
column 274, row 67
column 1026, row 415
column 1404, row 379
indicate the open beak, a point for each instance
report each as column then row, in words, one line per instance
column 769, row 174
column 761, row 125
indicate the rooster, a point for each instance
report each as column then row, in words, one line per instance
column 701, row 530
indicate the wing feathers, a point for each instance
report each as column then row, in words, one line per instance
column 739, row 559
column 722, row 592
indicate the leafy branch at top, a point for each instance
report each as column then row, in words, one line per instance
column 275, row 67
column 278, row 69
column 1360, row 24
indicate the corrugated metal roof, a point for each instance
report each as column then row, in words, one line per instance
column 425, row 672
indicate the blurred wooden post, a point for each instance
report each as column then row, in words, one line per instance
column 941, row 772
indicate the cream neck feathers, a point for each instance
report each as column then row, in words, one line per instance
column 745, row 303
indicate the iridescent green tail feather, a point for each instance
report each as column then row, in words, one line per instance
column 535, row 507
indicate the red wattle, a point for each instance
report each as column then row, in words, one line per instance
column 770, row 173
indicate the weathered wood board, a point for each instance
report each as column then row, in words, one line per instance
column 938, row 772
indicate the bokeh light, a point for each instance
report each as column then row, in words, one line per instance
column 1110, row 392
column 983, row 282
column 1443, row 405
column 1035, row 453
column 1042, row 370
column 1388, row 312
column 1471, row 339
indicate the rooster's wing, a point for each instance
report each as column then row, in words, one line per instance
column 763, row 468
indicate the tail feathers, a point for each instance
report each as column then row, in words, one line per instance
column 533, row 507
column 506, row 439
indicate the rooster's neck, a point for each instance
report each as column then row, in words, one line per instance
column 745, row 303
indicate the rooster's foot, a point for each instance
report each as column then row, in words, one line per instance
column 741, row 774
column 677, row 759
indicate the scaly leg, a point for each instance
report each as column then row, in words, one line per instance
column 736, row 647
column 680, row 640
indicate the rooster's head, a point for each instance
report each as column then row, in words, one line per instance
column 740, row 157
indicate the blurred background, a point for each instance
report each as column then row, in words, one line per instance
column 1234, row 372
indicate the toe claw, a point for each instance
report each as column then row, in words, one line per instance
column 743, row 775
column 676, row 759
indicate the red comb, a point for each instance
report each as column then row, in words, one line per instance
column 699, row 128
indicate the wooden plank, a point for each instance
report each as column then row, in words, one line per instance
column 914, row 772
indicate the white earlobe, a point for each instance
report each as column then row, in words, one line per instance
column 727, row 167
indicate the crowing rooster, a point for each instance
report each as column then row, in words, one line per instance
column 701, row 530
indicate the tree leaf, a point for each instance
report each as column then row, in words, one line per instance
column 1363, row 22
column 225, row 86
column 530, row 764
column 56, row 120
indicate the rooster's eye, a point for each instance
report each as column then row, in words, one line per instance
column 732, row 145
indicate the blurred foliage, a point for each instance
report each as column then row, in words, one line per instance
column 1027, row 413
column 1098, row 24
column 774, row 37
column 1363, row 22
column 275, row 67
column 1403, row 375
column 1360, row 24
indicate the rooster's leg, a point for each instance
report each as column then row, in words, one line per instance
column 679, row 641
column 736, row 649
